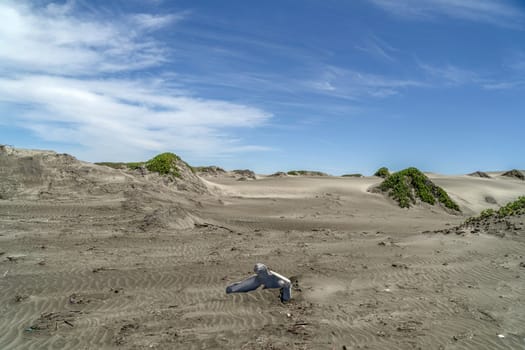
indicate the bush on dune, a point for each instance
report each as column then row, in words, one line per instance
column 306, row 173
column 408, row 185
column 382, row 172
column 121, row 165
column 164, row 164
column 514, row 208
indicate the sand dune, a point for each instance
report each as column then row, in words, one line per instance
column 108, row 259
column 475, row 194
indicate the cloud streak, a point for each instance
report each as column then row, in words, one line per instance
column 497, row 12
column 350, row 84
column 450, row 75
column 378, row 48
column 154, row 22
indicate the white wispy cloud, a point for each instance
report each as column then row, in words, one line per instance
column 355, row 85
column 153, row 22
column 450, row 74
column 119, row 117
column 51, row 40
column 504, row 85
column 67, row 71
column 516, row 62
column 377, row 48
column 498, row 12
column 350, row 84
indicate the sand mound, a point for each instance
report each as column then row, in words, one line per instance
column 278, row 174
column 217, row 172
column 187, row 180
column 514, row 174
column 33, row 174
column 510, row 227
column 244, row 174
column 507, row 221
column 480, row 174
column 209, row 170
column 171, row 167
column 153, row 200
column 409, row 186
column 306, row 173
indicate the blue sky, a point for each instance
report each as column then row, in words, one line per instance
column 331, row 85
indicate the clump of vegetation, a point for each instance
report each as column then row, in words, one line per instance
column 135, row 165
column 306, row 173
column 352, row 175
column 382, row 172
column 297, row 172
column 513, row 208
column 514, row 173
column 208, row 169
column 247, row 173
column 410, row 184
column 121, row 165
column 279, row 174
column 510, row 209
column 112, row 165
column 164, row 164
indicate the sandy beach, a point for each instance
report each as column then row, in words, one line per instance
column 98, row 258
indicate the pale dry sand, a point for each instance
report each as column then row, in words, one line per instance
column 105, row 259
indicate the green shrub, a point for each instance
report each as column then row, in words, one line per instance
column 134, row 165
column 513, row 208
column 164, row 164
column 121, row 165
column 382, row 172
column 352, row 175
column 112, row 165
column 510, row 209
column 306, row 173
column 409, row 184
column 487, row 213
